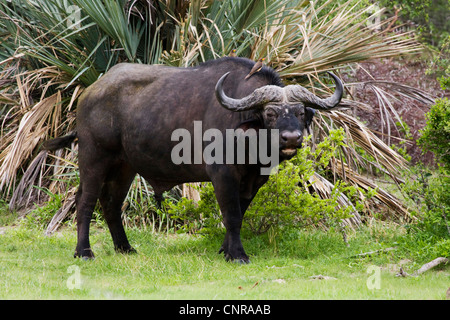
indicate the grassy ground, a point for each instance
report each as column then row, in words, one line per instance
column 168, row 266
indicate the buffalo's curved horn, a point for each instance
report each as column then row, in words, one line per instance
column 256, row 99
column 296, row 93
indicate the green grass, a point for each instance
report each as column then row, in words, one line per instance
column 170, row 266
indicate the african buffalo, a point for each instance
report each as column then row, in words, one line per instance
column 125, row 122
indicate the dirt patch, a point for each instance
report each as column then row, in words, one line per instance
column 412, row 112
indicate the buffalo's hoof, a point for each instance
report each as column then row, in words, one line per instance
column 85, row 254
column 240, row 259
column 126, row 250
column 239, row 256
column 85, row 258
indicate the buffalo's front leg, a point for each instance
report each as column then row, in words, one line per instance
column 113, row 193
column 243, row 207
column 226, row 188
column 249, row 186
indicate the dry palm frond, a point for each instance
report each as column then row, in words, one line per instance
column 386, row 93
column 22, row 195
column 339, row 37
column 31, row 131
column 324, row 188
column 382, row 196
column 27, row 123
column 405, row 90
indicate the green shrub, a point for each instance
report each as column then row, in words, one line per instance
column 436, row 134
column 427, row 190
column 203, row 216
column 41, row 216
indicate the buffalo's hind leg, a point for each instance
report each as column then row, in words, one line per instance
column 113, row 193
column 104, row 178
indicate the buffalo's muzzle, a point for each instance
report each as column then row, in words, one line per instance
column 290, row 141
column 291, row 138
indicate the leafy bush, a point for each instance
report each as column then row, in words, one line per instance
column 203, row 216
column 436, row 134
column 427, row 189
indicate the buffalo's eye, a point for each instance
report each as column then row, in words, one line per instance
column 299, row 112
column 271, row 114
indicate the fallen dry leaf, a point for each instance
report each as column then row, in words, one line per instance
column 321, row 277
column 279, row 281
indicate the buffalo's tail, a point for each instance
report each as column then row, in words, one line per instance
column 59, row 143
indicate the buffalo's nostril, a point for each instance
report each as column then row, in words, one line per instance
column 291, row 137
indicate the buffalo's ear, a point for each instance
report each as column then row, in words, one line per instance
column 309, row 115
column 250, row 124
